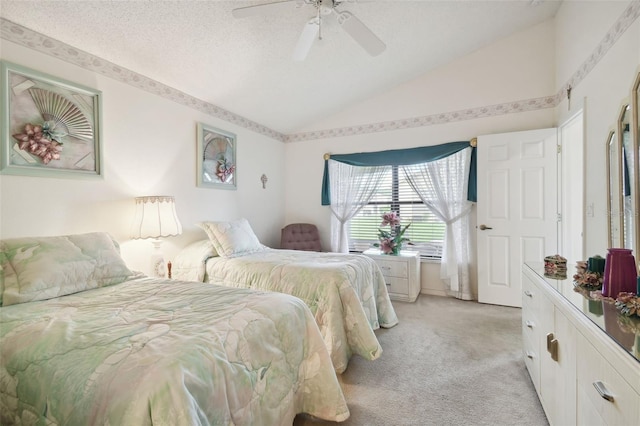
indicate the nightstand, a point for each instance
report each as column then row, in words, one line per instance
column 401, row 273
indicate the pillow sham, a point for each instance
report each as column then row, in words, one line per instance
column 189, row 263
column 232, row 239
column 46, row 267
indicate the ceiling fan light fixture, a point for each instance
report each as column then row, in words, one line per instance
column 325, row 6
column 349, row 23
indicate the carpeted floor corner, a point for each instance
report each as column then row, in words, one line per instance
column 448, row 362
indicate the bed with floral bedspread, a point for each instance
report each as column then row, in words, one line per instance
column 83, row 340
column 346, row 293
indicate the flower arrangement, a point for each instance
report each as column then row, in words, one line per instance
column 224, row 169
column 590, row 280
column 628, row 304
column 41, row 140
column 391, row 241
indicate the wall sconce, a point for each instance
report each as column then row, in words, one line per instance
column 156, row 218
column 264, row 180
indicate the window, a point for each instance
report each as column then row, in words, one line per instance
column 394, row 193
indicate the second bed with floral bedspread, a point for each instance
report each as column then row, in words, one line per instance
column 346, row 293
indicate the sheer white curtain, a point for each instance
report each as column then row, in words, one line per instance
column 351, row 189
column 442, row 186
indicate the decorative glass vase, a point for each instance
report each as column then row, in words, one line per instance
column 620, row 272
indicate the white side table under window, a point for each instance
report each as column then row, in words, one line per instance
column 401, row 273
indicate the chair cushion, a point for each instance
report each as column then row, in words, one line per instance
column 300, row 236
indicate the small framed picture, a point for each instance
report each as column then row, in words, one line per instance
column 50, row 127
column 217, row 163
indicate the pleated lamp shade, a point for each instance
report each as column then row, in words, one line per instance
column 155, row 217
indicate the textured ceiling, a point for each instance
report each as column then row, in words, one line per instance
column 245, row 65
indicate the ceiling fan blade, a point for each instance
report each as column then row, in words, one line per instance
column 260, row 9
column 360, row 33
column 308, row 36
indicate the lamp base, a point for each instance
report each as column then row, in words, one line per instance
column 158, row 266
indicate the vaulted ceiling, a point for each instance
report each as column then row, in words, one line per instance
column 245, row 65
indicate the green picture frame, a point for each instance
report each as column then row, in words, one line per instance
column 217, row 163
column 50, row 127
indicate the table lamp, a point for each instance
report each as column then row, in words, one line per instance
column 156, row 218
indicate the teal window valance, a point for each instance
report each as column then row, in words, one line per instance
column 402, row 157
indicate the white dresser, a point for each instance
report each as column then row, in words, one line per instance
column 582, row 356
column 401, row 273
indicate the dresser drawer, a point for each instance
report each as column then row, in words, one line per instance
column 587, row 415
column 593, row 373
column 531, row 346
column 530, row 326
column 530, row 295
column 532, row 359
column 392, row 268
column 401, row 273
column 397, row 285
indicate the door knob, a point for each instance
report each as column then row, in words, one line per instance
column 483, row 227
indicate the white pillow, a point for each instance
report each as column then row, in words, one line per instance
column 46, row 267
column 232, row 239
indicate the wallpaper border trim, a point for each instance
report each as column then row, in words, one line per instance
column 626, row 19
column 430, row 120
column 26, row 37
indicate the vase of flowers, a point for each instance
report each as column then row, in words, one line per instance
column 391, row 240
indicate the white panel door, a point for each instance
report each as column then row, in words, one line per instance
column 516, row 211
column 572, row 207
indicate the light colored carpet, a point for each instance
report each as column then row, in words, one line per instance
column 448, row 362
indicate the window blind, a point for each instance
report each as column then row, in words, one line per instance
column 426, row 232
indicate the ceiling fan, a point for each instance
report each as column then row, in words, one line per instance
column 313, row 28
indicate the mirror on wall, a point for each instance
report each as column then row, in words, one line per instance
column 614, row 189
column 623, row 175
column 635, row 135
column 627, row 174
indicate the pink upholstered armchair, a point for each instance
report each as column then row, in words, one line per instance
column 300, row 236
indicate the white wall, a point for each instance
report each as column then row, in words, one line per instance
column 580, row 27
column 149, row 142
column 149, row 148
column 516, row 68
column 533, row 63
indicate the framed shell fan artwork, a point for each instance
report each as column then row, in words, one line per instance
column 217, row 163
column 50, row 127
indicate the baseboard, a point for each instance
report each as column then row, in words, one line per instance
column 433, row 292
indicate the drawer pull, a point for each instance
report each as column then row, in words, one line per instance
column 530, row 355
column 552, row 346
column 388, row 284
column 388, row 268
column 602, row 390
column 528, row 293
column 530, row 324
